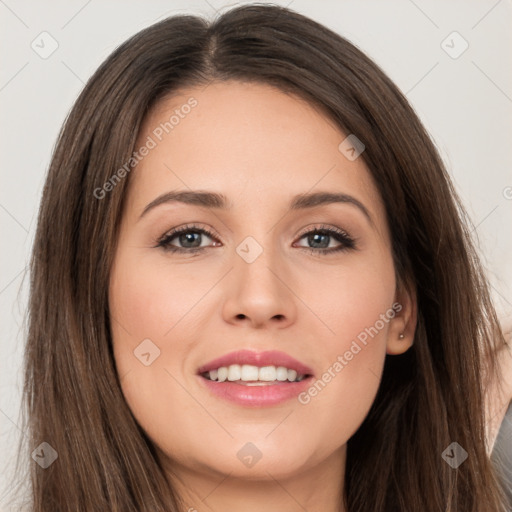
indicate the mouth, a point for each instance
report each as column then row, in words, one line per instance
column 255, row 379
column 251, row 375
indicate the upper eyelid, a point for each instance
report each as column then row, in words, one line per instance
column 204, row 231
column 185, row 229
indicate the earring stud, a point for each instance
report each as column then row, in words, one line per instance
column 401, row 336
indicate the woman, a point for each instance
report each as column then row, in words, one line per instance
column 260, row 365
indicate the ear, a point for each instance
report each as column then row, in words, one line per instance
column 403, row 325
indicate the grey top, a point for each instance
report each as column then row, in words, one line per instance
column 502, row 453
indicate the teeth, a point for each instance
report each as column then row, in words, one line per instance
column 292, row 375
column 268, row 373
column 250, row 373
column 282, row 373
column 234, row 372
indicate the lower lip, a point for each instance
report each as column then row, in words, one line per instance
column 257, row 396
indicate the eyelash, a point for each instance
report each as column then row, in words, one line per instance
column 339, row 235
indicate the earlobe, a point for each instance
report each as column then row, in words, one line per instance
column 403, row 325
column 399, row 345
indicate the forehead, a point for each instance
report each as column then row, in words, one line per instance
column 250, row 141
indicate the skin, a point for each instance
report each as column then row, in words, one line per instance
column 259, row 147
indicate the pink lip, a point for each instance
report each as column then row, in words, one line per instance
column 267, row 358
column 257, row 396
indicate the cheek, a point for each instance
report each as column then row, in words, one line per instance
column 147, row 298
column 347, row 298
column 150, row 300
column 153, row 306
column 150, row 311
column 355, row 308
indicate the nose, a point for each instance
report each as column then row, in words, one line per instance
column 259, row 294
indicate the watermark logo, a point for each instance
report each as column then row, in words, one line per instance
column 351, row 147
column 45, row 455
column 454, row 45
column 249, row 249
column 454, row 455
column 44, row 45
column 249, row 454
column 147, row 352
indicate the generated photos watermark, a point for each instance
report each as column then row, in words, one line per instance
column 343, row 360
column 137, row 156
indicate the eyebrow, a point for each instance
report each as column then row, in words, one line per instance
column 216, row 200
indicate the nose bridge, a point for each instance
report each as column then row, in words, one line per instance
column 256, row 262
column 259, row 293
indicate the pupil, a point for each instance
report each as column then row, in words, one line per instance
column 315, row 240
column 189, row 237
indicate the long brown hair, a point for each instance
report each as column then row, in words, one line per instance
column 429, row 397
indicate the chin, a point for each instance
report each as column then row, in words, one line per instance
column 271, row 466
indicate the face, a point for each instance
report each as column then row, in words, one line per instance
column 314, row 282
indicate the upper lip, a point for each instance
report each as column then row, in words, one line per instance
column 267, row 358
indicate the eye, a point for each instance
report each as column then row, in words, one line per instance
column 190, row 238
column 322, row 236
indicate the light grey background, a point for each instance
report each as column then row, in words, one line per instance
column 465, row 103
